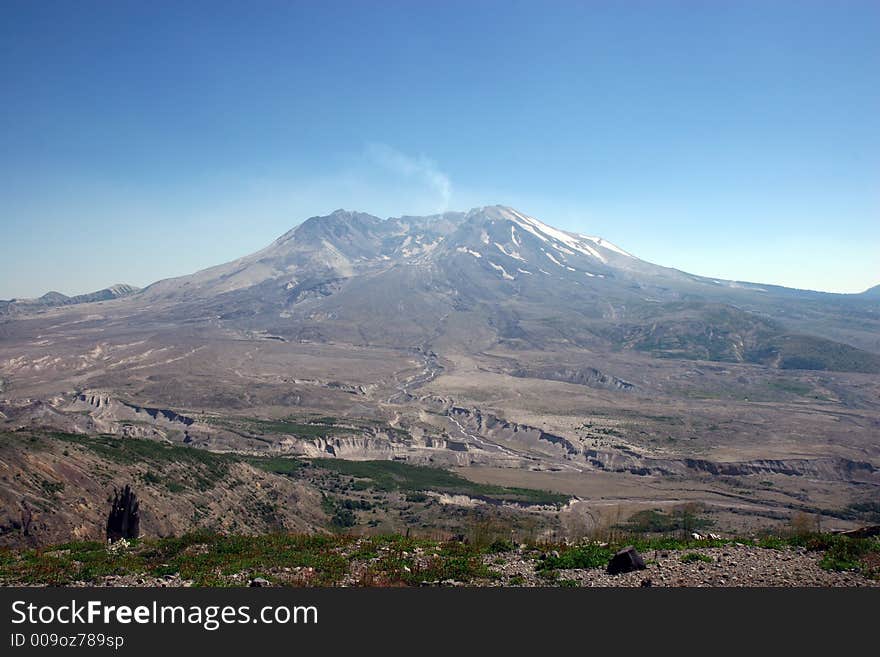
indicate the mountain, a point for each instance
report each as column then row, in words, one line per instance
column 519, row 281
column 54, row 299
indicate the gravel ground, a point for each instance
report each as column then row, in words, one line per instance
column 730, row 566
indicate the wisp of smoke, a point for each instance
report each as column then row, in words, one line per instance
column 421, row 169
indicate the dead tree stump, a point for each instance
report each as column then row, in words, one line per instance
column 26, row 518
column 124, row 520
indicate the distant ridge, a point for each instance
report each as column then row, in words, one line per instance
column 53, row 299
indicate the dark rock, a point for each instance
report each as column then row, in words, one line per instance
column 646, row 583
column 26, row 518
column 626, row 561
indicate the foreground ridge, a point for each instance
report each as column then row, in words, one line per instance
column 297, row 560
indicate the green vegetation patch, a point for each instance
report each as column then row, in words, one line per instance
column 806, row 352
column 218, row 560
column 275, row 464
column 201, row 469
column 792, row 387
column 398, row 476
column 207, row 559
column 395, row 560
column 653, row 521
column 591, row 555
column 597, row 555
column 342, row 510
column 198, row 469
column 840, row 552
column 695, row 557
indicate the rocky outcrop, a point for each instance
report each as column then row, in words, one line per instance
column 823, row 468
column 100, row 400
column 357, row 447
column 625, row 561
column 820, row 468
column 299, row 291
column 583, row 376
column 492, row 426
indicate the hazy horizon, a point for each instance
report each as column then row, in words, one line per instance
column 735, row 142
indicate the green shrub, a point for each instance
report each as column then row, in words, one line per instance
column 591, row 555
column 694, row 557
column 396, row 475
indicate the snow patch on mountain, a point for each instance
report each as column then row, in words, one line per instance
column 509, row 254
column 605, row 244
column 501, row 269
column 550, row 255
column 565, row 242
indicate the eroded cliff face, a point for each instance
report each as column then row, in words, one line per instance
column 584, row 376
column 502, row 430
column 115, row 416
column 98, row 412
column 821, row 468
column 623, row 459
column 417, row 447
column 471, row 437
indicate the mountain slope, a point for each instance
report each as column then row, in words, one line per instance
column 495, row 274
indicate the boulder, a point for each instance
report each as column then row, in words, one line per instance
column 626, row 561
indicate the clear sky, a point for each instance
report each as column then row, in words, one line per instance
column 141, row 140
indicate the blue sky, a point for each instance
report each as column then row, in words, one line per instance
column 730, row 139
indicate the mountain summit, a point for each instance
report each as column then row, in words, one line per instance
column 345, row 244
